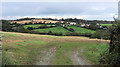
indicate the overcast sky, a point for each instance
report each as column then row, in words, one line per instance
column 60, row 0
column 94, row 10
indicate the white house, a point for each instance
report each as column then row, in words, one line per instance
column 82, row 25
column 87, row 24
column 97, row 24
column 53, row 25
column 72, row 23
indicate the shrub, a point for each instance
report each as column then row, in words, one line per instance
column 30, row 28
column 49, row 32
column 101, row 34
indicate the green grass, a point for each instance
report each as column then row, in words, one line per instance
column 25, row 52
column 54, row 30
column 106, row 25
column 93, row 52
column 21, row 53
column 35, row 26
column 6, row 34
column 17, row 53
column 59, row 29
column 62, row 54
column 81, row 30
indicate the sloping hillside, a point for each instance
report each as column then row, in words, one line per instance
column 32, row 49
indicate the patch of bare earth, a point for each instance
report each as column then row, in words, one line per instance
column 14, row 41
column 44, row 57
column 78, row 59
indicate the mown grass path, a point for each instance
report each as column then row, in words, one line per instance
column 33, row 49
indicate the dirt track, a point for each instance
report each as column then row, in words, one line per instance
column 45, row 56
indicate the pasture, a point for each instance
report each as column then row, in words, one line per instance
column 33, row 49
column 35, row 25
column 54, row 30
column 59, row 29
column 80, row 30
column 108, row 25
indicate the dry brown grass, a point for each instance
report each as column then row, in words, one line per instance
column 51, row 38
column 35, row 21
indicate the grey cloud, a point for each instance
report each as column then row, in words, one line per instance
column 56, row 8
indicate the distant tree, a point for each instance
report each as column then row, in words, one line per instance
column 30, row 23
column 30, row 28
column 14, row 23
column 93, row 27
column 63, row 19
column 6, row 26
column 21, row 29
column 44, row 22
column 71, row 29
column 101, row 34
column 26, row 23
column 49, row 32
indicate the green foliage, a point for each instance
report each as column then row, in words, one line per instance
column 21, row 29
column 93, row 27
column 6, row 26
column 113, row 56
column 101, row 34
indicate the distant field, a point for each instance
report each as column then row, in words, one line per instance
column 35, row 25
column 59, row 29
column 54, row 30
column 32, row 49
column 81, row 30
column 106, row 25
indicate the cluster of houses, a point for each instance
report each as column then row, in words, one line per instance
column 83, row 25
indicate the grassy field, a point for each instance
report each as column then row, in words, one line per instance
column 59, row 29
column 31, row 49
column 35, row 26
column 54, row 30
column 81, row 30
column 106, row 25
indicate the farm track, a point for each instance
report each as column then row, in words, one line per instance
column 77, row 57
column 44, row 57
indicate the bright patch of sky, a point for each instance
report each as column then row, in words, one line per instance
column 82, row 9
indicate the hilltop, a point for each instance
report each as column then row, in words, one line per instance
column 35, row 21
column 62, row 20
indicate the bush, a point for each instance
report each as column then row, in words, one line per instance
column 6, row 26
column 30, row 28
column 57, row 34
column 21, row 29
column 79, row 34
column 49, row 32
column 101, row 34
column 72, row 30
column 112, row 57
